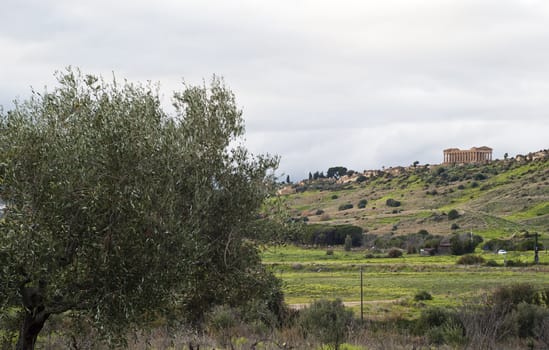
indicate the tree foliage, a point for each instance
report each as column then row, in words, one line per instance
column 318, row 234
column 392, row 202
column 464, row 243
column 336, row 172
column 122, row 210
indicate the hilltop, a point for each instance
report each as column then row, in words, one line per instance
column 500, row 199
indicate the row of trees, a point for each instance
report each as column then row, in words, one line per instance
column 332, row 173
column 120, row 212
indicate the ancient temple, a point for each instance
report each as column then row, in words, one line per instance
column 474, row 155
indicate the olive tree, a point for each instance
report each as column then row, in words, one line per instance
column 117, row 211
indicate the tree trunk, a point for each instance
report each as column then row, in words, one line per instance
column 32, row 325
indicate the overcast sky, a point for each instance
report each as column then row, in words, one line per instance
column 361, row 84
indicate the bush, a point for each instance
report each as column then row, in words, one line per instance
column 492, row 263
column 511, row 296
column 470, row 260
column 527, row 317
column 348, row 243
column 515, row 263
column 345, row 206
column 326, row 321
column 430, row 318
column 453, row 214
column 325, row 217
column 392, row 203
column 221, row 321
column 362, row 203
column 497, row 243
column 528, row 244
column 454, row 226
column 335, row 196
column 394, row 253
column 319, row 212
column 361, row 179
column 329, row 252
column 423, row 295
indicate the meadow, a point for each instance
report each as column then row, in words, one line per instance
column 390, row 284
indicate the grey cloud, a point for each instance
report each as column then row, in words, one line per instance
column 321, row 83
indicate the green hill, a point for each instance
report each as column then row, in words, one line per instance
column 501, row 199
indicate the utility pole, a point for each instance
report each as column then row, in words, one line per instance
column 536, row 255
column 361, row 297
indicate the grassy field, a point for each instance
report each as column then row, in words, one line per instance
column 390, row 284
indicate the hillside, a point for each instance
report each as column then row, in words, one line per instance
column 500, row 199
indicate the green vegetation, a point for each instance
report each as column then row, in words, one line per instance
column 120, row 215
column 327, row 321
column 337, row 276
column 493, row 200
column 345, row 206
column 362, row 203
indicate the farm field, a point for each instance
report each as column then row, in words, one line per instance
column 390, row 284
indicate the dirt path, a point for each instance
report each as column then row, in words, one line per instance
column 346, row 303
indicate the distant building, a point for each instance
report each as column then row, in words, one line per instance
column 474, row 155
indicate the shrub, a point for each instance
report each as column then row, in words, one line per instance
column 326, row 321
column 470, row 260
column 512, row 295
column 423, row 295
column 528, row 244
column 362, row 203
column 319, row 212
column 361, row 179
column 461, row 187
column 392, row 203
column 221, row 321
column 394, row 253
column 515, row 263
column 345, row 206
column 423, row 232
column 329, row 252
column 325, row 217
column 348, row 243
column 492, row 263
column 430, row 318
column 334, row 196
column 454, row 226
column 527, row 317
column 497, row 243
column 453, row 214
